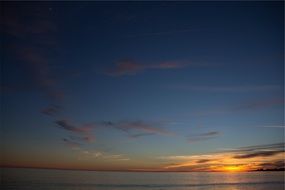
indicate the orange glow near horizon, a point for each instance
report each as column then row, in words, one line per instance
column 222, row 162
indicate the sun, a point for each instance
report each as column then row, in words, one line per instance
column 234, row 168
column 230, row 168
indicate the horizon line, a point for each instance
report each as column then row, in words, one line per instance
column 133, row 170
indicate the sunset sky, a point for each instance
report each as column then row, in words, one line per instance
column 144, row 86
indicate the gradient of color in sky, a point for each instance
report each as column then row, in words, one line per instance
column 159, row 86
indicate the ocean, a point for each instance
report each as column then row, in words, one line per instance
column 43, row 179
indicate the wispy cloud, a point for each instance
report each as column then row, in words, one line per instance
column 259, row 154
column 86, row 138
column 160, row 33
column 133, row 129
column 168, row 65
column 37, row 65
column 129, row 126
column 87, row 154
column 125, row 67
column 34, row 44
column 118, row 157
column 265, row 147
column 94, row 154
column 132, row 67
column 140, row 135
column 249, row 105
column 184, row 157
column 227, row 89
column 259, row 104
column 203, row 136
column 51, row 110
column 84, row 132
column 40, row 28
column 12, row 88
column 274, row 126
column 71, row 144
column 35, row 40
column 273, row 165
column 201, row 161
column 67, row 125
column 259, row 151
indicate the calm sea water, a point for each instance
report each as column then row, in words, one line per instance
column 35, row 179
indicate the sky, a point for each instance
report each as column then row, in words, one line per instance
column 143, row 86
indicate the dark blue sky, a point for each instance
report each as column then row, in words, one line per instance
column 139, row 80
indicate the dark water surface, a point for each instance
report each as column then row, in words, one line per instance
column 38, row 179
